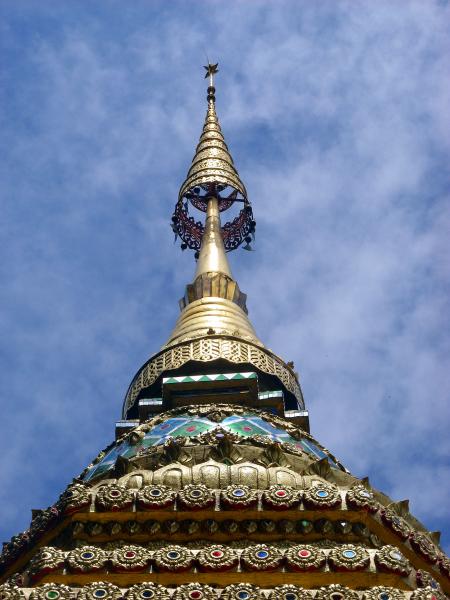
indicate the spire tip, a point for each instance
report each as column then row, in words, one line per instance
column 211, row 70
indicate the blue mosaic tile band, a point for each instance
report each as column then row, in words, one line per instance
column 189, row 426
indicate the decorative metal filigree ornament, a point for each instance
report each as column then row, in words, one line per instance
column 113, row 497
column 383, row 593
column 173, row 558
column 217, row 558
column 361, row 498
column 423, row 546
column 241, row 591
column 147, row 591
column 289, row 592
column 153, row 497
column 190, row 231
column 239, row 496
column 390, row 560
column 261, row 558
column 11, row 592
column 304, row 558
column 194, row 591
column 281, row 497
column 349, row 557
column 336, row 592
column 86, row 559
column 322, row 496
column 100, row 590
column 196, row 497
column 206, row 349
column 427, row 593
column 395, row 523
column 129, row 558
column 76, row 497
column 51, row 591
column 46, row 560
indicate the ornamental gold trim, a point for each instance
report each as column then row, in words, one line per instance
column 206, row 350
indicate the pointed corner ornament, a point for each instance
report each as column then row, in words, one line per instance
column 212, row 175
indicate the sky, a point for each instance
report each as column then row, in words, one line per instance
column 337, row 115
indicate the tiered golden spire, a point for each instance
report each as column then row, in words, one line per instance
column 213, row 324
column 213, row 303
column 212, row 162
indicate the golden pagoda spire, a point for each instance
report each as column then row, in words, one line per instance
column 213, row 302
column 212, row 162
column 213, row 324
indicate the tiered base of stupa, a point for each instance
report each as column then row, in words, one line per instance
column 220, row 501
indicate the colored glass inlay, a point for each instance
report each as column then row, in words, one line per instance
column 322, row 494
column 248, row 424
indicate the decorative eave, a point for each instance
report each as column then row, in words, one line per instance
column 207, row 347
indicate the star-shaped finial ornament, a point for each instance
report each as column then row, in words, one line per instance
column 211, row 70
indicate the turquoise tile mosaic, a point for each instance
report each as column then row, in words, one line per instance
column 189, row 426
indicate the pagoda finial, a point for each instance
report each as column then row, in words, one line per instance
column 213, row 302
column 212, row 175
column 211, row 70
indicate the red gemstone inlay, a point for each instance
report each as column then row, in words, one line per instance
column 280, row 493
column 217, row 553
column 304, row 553
column 195, row 595
column 130, row 554
column 247, row 428
column 191, row 428
column 114, row 493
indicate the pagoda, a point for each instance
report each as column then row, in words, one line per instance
column 214, row 488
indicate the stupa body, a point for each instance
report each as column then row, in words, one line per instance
column 214, row 488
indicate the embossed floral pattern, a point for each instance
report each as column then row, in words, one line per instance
column 304, row 557
column 281, row 497
column 348, row 558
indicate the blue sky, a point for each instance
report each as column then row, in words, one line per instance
column 337, row 115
